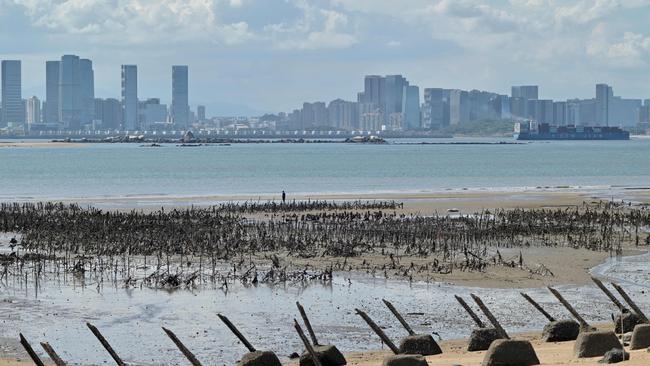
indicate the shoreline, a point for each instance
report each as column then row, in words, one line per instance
column 463, row 199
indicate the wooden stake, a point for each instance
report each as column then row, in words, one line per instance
column 236, row 332
column 378, row 331
column 186, row 352
column 30, row 351
column 106, row 345
column 488, row 314
column 583, row 323
column 398, row 316
column 53, row 355
column 305, row 319
column 611, row 296
column 471, row 312
column 538, row 307
column 631, row 302
column 308, row 346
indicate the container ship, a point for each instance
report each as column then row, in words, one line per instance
column 544, row 131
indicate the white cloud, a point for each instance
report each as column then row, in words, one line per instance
column 585, row 11
column 136, row 21
column 628, row 50
column 317, row 29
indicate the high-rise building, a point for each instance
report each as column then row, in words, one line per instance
column 525, row 91
column 130, row 97
column 433, row 109
column 33, row 111
column 603, row 95
column 200, row 113
column 180, row 110
column 13, row 111
column 342, row 114
column 151, row 112
column 307, row 115
column 559, row 113
column 394, row 86
column 51, row 113
column 411, row 107
column 623, row 112
column 519, row 100
column 70, row 92
column 458, row 107
column 76, row 92
column 87, row 85
column 109, row 113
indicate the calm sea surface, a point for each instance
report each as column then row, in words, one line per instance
column 129, row 170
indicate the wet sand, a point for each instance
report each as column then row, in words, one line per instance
column 38, row 144
column 567, row 265
column 446, row 202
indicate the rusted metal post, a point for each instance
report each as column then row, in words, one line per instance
column 186, row 352
column 106, row 345
column 631, row 302
column 53, row 355
column 305, row 319
column 378, row 331
column 611, row 296
column 30, row 351
column 398, row 316
column 471, row 312
column 583, row 323
column 308, row 346
column 236, row 332
column 490, row 316
column 538, row 307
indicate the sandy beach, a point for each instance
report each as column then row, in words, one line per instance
column 455, row 353
column 38, row 144
column 448, row 202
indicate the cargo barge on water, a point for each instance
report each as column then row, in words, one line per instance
column 534, row 131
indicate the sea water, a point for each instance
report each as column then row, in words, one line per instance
column 131, row 171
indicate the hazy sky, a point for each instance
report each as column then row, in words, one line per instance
column 271, row 55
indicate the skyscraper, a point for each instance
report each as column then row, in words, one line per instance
column 87, row 84
column 200, row 113
column 12, row 101
column 411, row 107
column 394, row 86
column 52, row 92
column 180, row 110
column 433, row 109
column 76, row 92
column 603, row 95
column 374, row 91
column 70, row 92
column 458, row 107
column 33, row 111
column 109, row 112
column 130, row 97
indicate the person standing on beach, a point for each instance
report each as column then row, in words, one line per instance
column 284, row 197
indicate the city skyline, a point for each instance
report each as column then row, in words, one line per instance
column 389, row 102
column 240, row 50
